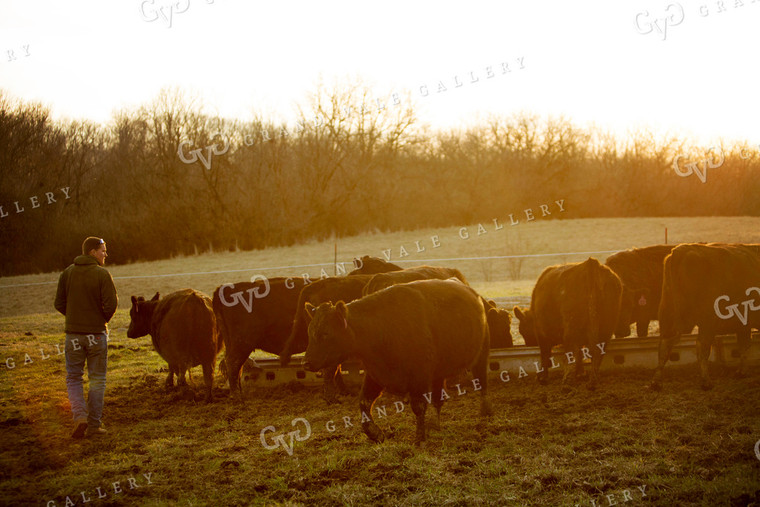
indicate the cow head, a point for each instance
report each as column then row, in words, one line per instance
column 527, row 326
column 370, row 265
column 499, row 326
column 625, row 317
column 141, row 315
column 634, row 305
column 330, row 336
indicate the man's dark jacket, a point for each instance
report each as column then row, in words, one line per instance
column 86, row 296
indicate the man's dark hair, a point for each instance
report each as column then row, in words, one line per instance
column 91, row 243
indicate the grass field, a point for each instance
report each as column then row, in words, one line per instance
column 493, row 277
column 545, row 445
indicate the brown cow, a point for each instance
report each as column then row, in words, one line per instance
column 255, row 315
column 382, row 280
column 640, row 270
column 330, row 290
column 714, row 286
column 498, row 320
column 184, row 333
column 499, row 325
column 373, row 265
column 574, row 304
column 410, row 337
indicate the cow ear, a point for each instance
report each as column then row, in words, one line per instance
column 491, row 303
column 134, row 301
column 155, row 298
column 518, row 313
column 310, row 309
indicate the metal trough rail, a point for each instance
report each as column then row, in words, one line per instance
column 622, row 352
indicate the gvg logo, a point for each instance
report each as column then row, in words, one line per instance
column 151, row 12
column 279, row 440
column 237, row 297
column 12, row 52
column 693, row 167
column 734, row 308
column 211, row 150
column 646, row 24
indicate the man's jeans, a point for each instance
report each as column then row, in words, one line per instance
column 94, row 349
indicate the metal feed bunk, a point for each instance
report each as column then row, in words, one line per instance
column 621, row 352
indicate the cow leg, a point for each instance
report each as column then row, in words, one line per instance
column 170, row 378
column 480, row 372
column 235, row 360
column 596, row 362
column 181, row 381
column 666, row 347
column 570, row 344
column 546, row 354
column 743, row 340
column 704, row 344
column 437, row 395
column 185, row 391
column 340, row 387
column 719, row 351
column 419, row 405
column 330, row 375
column 370, row 391
column 642, row 327
column 208, row 379
column 579, row 373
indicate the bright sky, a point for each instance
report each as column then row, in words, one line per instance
column 586, row 60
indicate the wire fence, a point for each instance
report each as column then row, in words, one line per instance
column 418, row 261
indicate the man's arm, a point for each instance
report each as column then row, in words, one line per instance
column 60, row 295
column 108, row 294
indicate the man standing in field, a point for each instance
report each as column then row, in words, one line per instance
column 87, row 297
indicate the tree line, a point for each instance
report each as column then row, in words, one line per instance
column 167, row 178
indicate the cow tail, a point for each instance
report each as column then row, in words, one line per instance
column 296, row 327
column 221, row 325
column 669, row 310
column 596, row 291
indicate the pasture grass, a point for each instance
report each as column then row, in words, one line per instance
column 556, row 444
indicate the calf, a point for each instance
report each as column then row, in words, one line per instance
column 184, row 333
column 410, row 337
column 576, row 305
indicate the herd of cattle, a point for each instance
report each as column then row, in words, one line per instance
column 414, row 328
